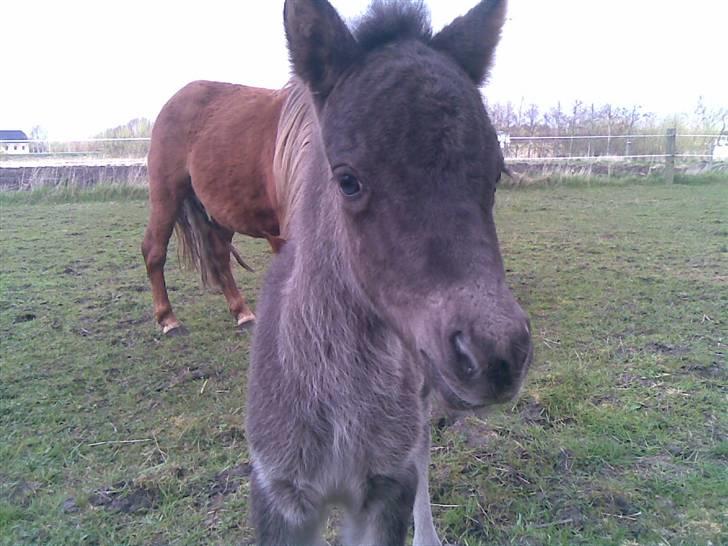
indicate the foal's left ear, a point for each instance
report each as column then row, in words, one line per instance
column 471, row 39
column 320, row 45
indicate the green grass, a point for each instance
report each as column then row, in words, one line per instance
column 565, row 179
column 620, row 437
column 70, row 193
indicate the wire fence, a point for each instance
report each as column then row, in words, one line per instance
column 109, row 151
column 91, row 151
column 691, row 147
column 32, row 163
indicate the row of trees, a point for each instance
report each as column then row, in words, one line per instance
column 136, row 128
column 581, row 119
column 516, row 120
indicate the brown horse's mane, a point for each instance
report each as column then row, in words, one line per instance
column 296, row 128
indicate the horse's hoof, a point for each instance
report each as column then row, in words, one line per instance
column 246, row 326
column 178, row 330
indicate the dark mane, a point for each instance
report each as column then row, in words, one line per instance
column 389, row 21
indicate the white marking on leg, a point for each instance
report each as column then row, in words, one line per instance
column 425, row 533
column 169, row 327
column 244, row 319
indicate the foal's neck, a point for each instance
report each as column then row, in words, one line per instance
column 327, row 324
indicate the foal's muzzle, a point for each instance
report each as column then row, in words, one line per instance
column 491, row 367
column 484, row 359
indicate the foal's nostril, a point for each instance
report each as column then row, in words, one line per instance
column 521, row 348
column 499, row 374
column 466, row 363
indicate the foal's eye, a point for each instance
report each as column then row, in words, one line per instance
column 349, row 185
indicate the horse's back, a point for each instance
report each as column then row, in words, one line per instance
column 178, row 120
column 221, row 136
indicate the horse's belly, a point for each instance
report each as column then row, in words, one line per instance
column 239, row 209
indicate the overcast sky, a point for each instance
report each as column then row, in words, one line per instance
column 77, row 67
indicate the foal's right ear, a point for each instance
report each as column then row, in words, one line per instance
column 320, row 45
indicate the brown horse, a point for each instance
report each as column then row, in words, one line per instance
column 211, row 165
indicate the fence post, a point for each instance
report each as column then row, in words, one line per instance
column 670, row 155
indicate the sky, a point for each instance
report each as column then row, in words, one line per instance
column 78, row 67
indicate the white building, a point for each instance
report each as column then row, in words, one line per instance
column 14, row 143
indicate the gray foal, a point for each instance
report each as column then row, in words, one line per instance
column 391, row 289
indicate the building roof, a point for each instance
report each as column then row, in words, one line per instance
column 12, row 135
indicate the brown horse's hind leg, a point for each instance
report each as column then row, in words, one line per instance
column 165, row 206
column 220, row 240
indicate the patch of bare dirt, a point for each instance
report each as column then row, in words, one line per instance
column 665, row 349
column 662, row 464
column 565, row 513
column 513, row 477
column 225, row 483
column 71, row 271
column 603, row 399
column 139, row 288
column 627, row 380
column 475, row 432
column 534, row 413
column 70, row 506
column 23, row 491
column 231, row 436
column 83, row 332
column 146, row 317
column 714, row 370
column 564, row 461
column 228, row 481
column 617, row 504
column 185, row 375
column 125, row 498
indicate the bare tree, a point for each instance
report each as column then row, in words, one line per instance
column 135, row 128
column 38, row 134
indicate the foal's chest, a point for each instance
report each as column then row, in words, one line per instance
column 376, row 438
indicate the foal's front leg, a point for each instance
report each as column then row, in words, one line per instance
column 384, row 517
column 425, row 533
column 284, row 514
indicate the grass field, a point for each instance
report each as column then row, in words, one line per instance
column 112, row 434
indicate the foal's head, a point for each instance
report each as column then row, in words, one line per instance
column 415, row 163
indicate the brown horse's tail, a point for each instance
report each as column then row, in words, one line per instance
column 194, row 229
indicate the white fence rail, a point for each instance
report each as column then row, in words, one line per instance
column 616, row 147
column 657, row 151
column 538, row 148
